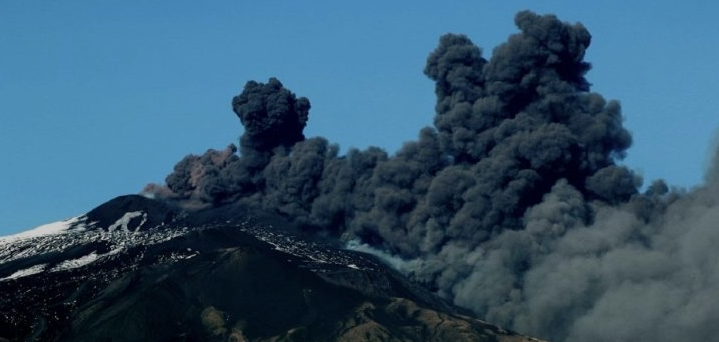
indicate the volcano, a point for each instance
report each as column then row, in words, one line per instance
column 139, row 269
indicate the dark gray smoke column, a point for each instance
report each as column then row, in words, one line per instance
column 517, row 124
column 272, row 115
column 273, row 118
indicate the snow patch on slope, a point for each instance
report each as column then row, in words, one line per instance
column 54, row 228
column 75, row 263
column 26, row 272
column 124, row 221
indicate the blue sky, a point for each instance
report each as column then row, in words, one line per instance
column 99, row 98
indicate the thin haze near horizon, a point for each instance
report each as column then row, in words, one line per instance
column 97, row 99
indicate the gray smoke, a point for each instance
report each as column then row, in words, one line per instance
column 620, row 278
column 513, row 204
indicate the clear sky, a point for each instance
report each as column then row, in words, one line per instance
column 99, row 98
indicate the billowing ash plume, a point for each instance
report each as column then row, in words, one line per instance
column 272, row 115
column 513, row 204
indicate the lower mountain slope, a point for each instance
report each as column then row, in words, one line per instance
column 136, row 269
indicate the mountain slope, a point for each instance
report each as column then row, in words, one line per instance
column 136, row 269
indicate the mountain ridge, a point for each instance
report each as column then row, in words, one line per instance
column 139, row 269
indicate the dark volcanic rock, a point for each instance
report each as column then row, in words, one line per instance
column 135, row 269
column 147, row 212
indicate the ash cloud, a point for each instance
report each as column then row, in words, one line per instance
column 272, row 116
column 513, row 204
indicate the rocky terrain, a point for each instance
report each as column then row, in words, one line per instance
column 137, row 269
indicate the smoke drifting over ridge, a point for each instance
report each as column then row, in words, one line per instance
column 513, row 204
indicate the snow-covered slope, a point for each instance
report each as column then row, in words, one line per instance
column 54, row 228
